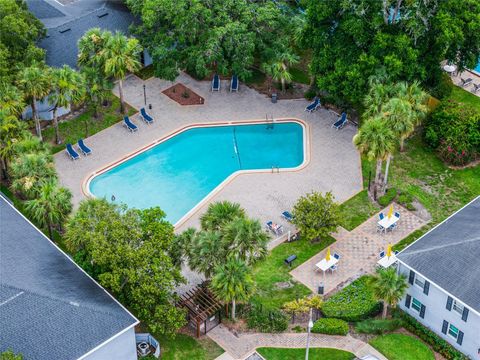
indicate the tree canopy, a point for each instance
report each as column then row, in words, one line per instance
column 404, row 40
column 127, row 250
column 201, row 35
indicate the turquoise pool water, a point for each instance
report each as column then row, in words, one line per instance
column 179, row 172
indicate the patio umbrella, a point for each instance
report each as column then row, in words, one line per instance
column 327, row 256
column 390, row 211
column 389, row 250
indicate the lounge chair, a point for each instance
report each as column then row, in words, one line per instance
column 275, row 228
column 340, row 123
column 476, row 87
column 72, row 153
column 287, row 216
column 215, row 83
column 234, row 83
column 84, row 148
column 314, row 105
column 129, row 125
column 466, row 82
column 145, row 116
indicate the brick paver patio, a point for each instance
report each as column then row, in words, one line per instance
column 358, row 249
column 242, row 345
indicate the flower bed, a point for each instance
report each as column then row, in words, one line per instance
column 183, row 95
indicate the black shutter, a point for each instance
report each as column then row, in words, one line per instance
column 408, row 300
column 460, row 337
column 444, row 327
column 422, row 311
column 465, row 314
column 449, row 303
column 426, row 287
column 411, row 277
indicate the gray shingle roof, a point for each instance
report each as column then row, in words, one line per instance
column 449, row 255
column 49, row 308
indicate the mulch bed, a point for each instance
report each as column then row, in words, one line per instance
column 183, row 95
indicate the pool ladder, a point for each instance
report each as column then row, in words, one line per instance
column 270, row 121
column 275, row 169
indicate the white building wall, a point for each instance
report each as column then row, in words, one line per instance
column 123, row 347
column 436, row 312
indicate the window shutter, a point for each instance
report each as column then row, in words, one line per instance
column 422, row 311
column 426, row 287
column 444, row 327
column 465, row 314
column 411, row 277
column 449, row 303
column 460, row 337
column 408, row 300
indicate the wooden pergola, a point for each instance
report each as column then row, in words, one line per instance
column 201, row 305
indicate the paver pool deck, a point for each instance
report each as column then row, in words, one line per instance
column 334, row 162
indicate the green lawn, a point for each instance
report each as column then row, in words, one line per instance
column 186, row 347
column 463, row 96
column 356, row 210
column 299, row 354
column 299, row 76
column 402, row 347
column 146, row 73
column 74, row 129
column 272, row 270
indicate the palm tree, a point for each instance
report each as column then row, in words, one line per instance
column 97, row 88
column 35, row 82
column 278, row 69
column 51, row 206
column 90, row 47
column 376, row 141
column 67, row 89
column 417, row 98
column 245, row 239
column 233, row 282
column 400, row 118
column 121, row 55
column 220, row 213
column 378, row 94
column 11, row 131
column 11, row 99
column 206, row 252
column 30, row 171
column 388, row 287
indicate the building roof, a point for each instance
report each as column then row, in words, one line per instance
column 67, row 24
column 49, row 307
column 449, row 254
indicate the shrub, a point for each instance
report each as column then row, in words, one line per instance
column 354, row 303
column 388, row 197
column 406, row 200
column 310, row 93
column 271, row 320
column 377, row 326
column 453, row 130
column 438, row 344
column 444, row 87
column 330, row 326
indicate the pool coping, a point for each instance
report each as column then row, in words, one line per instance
column 306, row 159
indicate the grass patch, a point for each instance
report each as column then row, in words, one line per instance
column 299, row 76
column 402, row 347
column 356, row 210
column 74, row 129
column 146, row 73
column 272, row 270
column 186, row 347
column 298, row 354
column 463, row 96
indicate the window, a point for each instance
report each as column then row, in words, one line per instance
column 452, row 331
column 458, row 307
column 419, row 282
column 416, row 305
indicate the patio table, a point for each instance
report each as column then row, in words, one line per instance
column 386, row 222
column 324, row 265
column 386, row 261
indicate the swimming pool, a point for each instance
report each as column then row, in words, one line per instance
column 179, row 172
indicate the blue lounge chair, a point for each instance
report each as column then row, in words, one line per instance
column 215, row 83
column 145, row 116
column 72, row 153
column 314, row 105
column 340, row 123
column 234, row 83
column 129, row 125
column 84, row 148
column 287, row 216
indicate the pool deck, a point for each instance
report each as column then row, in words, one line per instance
column 334, row 162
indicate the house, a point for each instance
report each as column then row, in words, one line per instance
column 443, row 271
column 50, row 309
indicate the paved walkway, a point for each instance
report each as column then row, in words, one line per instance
column 239, row 347
column 334, row 164
column 358, row 249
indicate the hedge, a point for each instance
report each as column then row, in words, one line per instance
column 377, row 326
column 436, row 342
column 354, row 303
column 267, row 320
column 330, row 326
